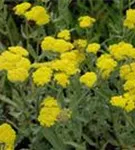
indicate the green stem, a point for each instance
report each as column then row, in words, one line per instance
column 27, row 34
column 51, row 136
column 129, row 120
column 9, row 34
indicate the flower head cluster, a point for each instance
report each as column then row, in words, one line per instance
column 64, row 34
column 86, row 21
column 129, row 22
column 122, row 51
column 50, row 112
column 127, row 100
column 93, row 48
column 7, row 136
column 20, row 9
column 80, row 44
column 106, row 64
column 42, row 75
column 64, row 67
column 89, row 79
column 38, row 14
column 56, row 45
column 61, row 79
column 15, row 63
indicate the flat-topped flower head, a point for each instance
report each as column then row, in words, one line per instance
column 49, row 112
column 42, row 76
column 61, row 79
column 20, row 9
column 64, row 34
column 129, row 21
column 86, row 21
column 93, row 48
column 38, row 14
column 7, row 136
column 89, row 79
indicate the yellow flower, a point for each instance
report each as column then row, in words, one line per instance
column 75, row 56
column 42, row 76
column 38, row 14
column 49, row 112
column 15, row 64
column 18, row 50
column 89, row 79
column 56, row 45
column 80, row 44
column 129, row 22
column 62, row 46
column 7, row 136
column 129, row 85
column 118, row 101
column 93, row 48
column 66, row 66
column 64, row 34
column 23, row 63
column 86, row 21
column 126, row 101
column 122, row 51
column 20, row 9
column 17, row 75
column 127, row 72
column 48, row 43
column 62, row 79
column 106, row 64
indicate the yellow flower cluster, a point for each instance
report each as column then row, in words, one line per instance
column 50, row 112
column 67, row 65
column 38, row 14
column 64, row 34
column 20, row 9
column 93, row 48
column 89, row 79
column 122, row 51
column 127, row 72
column 42, row 76
column 56, row 45
column 15, row 63
column 7, row 136
column 86, row 21
column 129, row 22
column 127, row 100
column 106, row 64
column 80, row 44
column 61, row 79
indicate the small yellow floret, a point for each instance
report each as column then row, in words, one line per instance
column 49, row 112
column 38, row 14
column 18, row 50
column 86, row 21
column 64, row 34
column 62, row 79
column 7, row 136
column 129, row 22
column 17, row 74
column 42, row 76
column 89, row 79
column 93, row 48
column 20, row 9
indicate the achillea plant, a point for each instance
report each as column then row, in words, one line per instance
column 67, row 75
